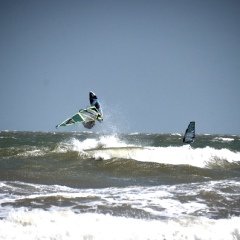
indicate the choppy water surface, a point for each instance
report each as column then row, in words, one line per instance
column 125, row 186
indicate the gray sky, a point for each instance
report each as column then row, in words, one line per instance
column 155, row 65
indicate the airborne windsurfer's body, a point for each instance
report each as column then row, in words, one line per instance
column 94, row 102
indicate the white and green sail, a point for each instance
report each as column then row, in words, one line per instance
column 85, row 116
column 189, row 135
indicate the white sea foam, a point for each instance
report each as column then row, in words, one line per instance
column 223, row 139
column 199, row 157
column 40, row 224
column 103, row 142
column 182, row 217
column 158, row 201
column 33, row 152
column 176, row 134
column 108, row 147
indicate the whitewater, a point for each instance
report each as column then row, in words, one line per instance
column 86, row 185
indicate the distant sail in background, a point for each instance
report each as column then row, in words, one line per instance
column 189, row 135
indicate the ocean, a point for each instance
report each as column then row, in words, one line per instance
column 87, row 185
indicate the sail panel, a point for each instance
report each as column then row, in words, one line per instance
column 189, row 135
column 84, row 115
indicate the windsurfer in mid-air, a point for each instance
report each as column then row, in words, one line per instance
column 86, row 116
column 94, row 102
